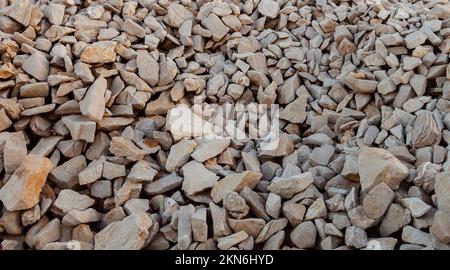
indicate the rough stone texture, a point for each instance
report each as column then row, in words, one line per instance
column 234, row 182
column 24, row 187
column 378, row 165
column 287, row 188
column 197, row 178
column 304, row 235
column 127, row 234
column 377, row 201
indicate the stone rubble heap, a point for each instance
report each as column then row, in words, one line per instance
column 88, row 160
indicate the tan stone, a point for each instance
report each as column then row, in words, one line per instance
column 24, row 187
column 234, row 182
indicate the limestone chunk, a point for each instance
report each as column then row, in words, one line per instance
column 378, row 200
column 179, row 154
column 197, row 178
column 177, row 14
column 216, row 26
column 148, row 68
column 93, row 103
column 128, row 234
column 126, row 148
column 77, row 217
column 69, row 200
column 234, row 182
column 219, row 221
column 378, row 165
column 361, row 86
column 269, row 8
column 80, row 127
column 396, row 217
column 142, row 171
column 91, row 173
column 225, row 243
column 235, row 205
column 163, row 184
column 14, row 151
column 37, row 66
column 100, row 52
column 288, row 187
column 209, row 148
column 441, row 226
column 295, row 112
column 415, row 39
column 20, row 10
column 417, row 207
column 66, row 174
column 24, row 187
column 199, row 225
column 425, row 130
column 185, row 226
column 304, row 235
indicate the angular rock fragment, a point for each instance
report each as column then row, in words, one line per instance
column 197, row 178
column 126, row 148
column 66, row 174
column 268, row 8
column 209, row 148
column 127, row 234
column 24, row 187
column 93, row 103
column 234, row 182
column 377, row 201
column 37, row 66
column 378, row 165
column 69, row 200
column 179, row 154
column 288, row 187
column 425, row 131
column 100, row 52
column 304, row 235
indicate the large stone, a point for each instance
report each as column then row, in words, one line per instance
column 20, row 11
column 126, row 148
column 415, row 39
column 234, row 182
column 209, row 148
column 355, row 237
column 377, row 201
column 37, row 66
column 288, row 187
column 127, row 234
column 377, row 165
column 197, row 178
column 148, row 68
column 395, row 218
column 100, row 52
column 304, row 235
column 441, row 226
column 14, row 151
column 269, row 8
column 442, row 190
column 69, row 200
column 361, row 86
column 425, row 130
column 218, row 29
column 417, row 207
column 24, row 187
column 80, row 127
column 66, row 174
column 177, row 14
column 179, row 154
column 93, row 103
